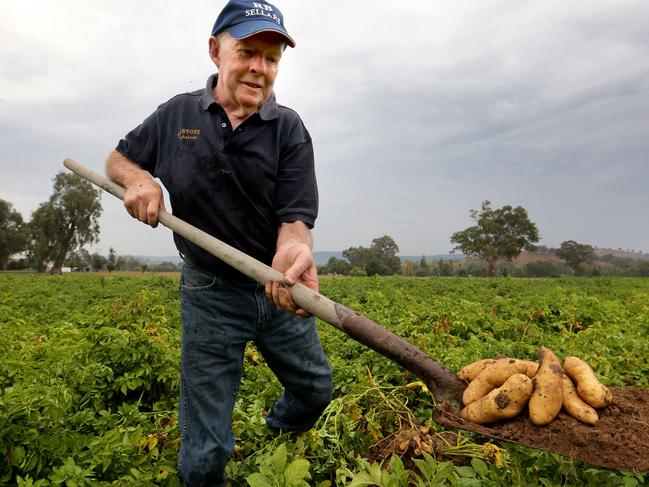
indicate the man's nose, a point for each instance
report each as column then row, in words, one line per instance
column 258, row 65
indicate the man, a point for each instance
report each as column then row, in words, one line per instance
column 239, row 166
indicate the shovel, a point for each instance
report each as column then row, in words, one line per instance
column 445, row 386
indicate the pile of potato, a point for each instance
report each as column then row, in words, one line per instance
column 501, row 388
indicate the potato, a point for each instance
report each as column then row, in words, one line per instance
column 574, row 405
column 588, row 387
column 469, row 372
column 547, row 396
column 494, row 375
column 504, row 402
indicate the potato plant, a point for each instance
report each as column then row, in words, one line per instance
column 89, row 380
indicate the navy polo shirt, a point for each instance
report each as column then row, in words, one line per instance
column 235, row 185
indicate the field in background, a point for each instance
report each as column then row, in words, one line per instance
column 89, row 379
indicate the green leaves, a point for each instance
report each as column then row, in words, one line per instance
column 63, row 417
column 89, row 380
column 277, row 471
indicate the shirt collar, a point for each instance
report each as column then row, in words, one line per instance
column 268, row 111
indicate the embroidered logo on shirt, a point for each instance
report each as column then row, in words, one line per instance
column 188, row 134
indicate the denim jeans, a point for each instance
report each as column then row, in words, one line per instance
column 218, row 318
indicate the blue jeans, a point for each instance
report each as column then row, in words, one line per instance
column 218, row 318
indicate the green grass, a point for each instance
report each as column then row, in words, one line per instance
column 89, row 379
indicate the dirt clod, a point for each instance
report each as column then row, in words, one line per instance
column 501, row 401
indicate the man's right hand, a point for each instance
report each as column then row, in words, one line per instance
column 143, row 198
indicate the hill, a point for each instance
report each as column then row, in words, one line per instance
column 622, row 254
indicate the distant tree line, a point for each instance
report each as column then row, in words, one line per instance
column 497, row 238
column 608, row 264
column 61, row 227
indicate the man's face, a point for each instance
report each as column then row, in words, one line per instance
column 247, row 69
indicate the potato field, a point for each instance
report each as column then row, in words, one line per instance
column 89, row 382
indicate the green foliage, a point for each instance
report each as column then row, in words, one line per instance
column 277, row 471
column 13, row 235
column 541, row 268
column 336, row 266
column 576, row 254
column 111, row 261
column 89, row 379
column 379, row 259
column 66, row 222
column 500, row 233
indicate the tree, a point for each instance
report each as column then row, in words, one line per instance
column 575, row 254
column 384, row 250
column 13, row 235
column 423, row 269
column 336, row 266
column 79, row 259
column 167, row 267
column 358, row 257
column 380, row 258
column 98, row 261
column 444, row 268
column 66, row 222
column 501, row 233
column 111, row 263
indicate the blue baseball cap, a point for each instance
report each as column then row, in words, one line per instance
column 245, row 18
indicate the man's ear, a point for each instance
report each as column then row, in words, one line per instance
column 214, row 49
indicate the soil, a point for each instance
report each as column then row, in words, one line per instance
column 619, row 440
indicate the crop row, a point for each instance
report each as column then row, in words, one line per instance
column 89, row 379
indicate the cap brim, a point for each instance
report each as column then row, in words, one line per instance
column 250, row 28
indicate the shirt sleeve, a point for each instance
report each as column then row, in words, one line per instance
column 140, row 145
column 296, row 189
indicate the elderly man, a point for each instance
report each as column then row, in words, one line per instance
column 239, row 166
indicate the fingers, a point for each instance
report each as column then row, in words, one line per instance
column 301, row 264
column 304, row 270
column 144, row 201
column 145, row 212
column 152, row 213
column 280, row 295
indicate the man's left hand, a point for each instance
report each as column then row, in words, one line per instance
column 297, row 264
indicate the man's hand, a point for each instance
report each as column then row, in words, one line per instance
column 143, row 198
column 295, row 259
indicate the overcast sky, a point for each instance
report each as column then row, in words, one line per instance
column 418, row 110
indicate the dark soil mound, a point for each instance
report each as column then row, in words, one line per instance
column 619, row 440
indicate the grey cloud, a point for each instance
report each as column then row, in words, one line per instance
column 417, row 114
